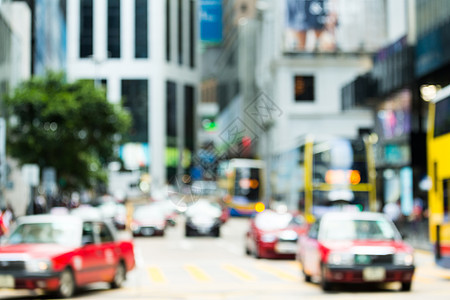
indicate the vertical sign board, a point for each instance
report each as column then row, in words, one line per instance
column 30, row 173
column 2, row 153
column 49, row 180
column 406, row 196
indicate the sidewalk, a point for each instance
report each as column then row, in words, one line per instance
column 420, row 244
column 417, row 235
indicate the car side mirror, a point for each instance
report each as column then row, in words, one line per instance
column 171, row 222
column 87, row 240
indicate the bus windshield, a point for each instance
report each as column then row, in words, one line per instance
column 339, row 164
column 247, row 183
column 442, row 117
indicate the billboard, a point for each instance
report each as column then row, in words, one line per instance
column 211, row 21
column 50, row 36
column 334, row 25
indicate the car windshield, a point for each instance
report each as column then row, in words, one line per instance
column 111, row 209
column 87, row 212
column 149, row 212
column 44, row 233
column 358, row 230
column 205, row 209
column 272, row 220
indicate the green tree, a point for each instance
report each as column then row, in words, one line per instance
column 68, row 126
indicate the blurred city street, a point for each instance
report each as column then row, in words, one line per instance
column 176, row 267
column 224, row 149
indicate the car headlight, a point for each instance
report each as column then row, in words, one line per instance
column 134, row 227
column 159, row 226
column 341, row 258
column 268, row 238
column 41, row 265
column 403, row 259
column 288, row 235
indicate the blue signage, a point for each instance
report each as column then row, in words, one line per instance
column 211, row 21
column 406, row 196
column 430, row 52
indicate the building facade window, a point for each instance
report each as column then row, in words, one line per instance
column 141, row 29
column 189, row 112
column 172, row 156
column 86, row 28
column 114, row 28
column 168, row 35
column 171, row 112
column 192, row 39
column 303, row 88
column 180, row 32
column 135, row 99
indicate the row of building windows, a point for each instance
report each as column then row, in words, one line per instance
column 114, row 24
column 113, row 30
column 135, row 96
column 141, row 29
column 181, row 8
column 431, row 14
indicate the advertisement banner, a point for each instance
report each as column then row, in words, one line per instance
column 334, row 25
column 211, row 21
column 406, row 196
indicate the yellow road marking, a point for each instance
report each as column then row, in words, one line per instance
column 197, row 273
column 277, row 272
column 238, row 272
column 295, row 264
column 422, row 279
column 156, row 275
column 435, row 272
column 423, row 252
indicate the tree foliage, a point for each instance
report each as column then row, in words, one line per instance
column 68, row 126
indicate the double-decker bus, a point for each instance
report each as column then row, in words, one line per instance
column 438, row 152
column 242, row 181
column 324, row 173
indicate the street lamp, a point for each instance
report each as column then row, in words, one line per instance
column 428, row 91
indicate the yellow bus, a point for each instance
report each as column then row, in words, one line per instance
column 438, row 152
column 242, row 181
column 324, row 173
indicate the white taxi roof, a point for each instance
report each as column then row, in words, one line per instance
column 47, row 218
column 353, row 216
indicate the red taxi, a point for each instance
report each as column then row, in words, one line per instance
column 60, row 253
column 355, row 247
column 274, row 234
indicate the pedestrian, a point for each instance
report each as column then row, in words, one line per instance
column 393, row 211
column 3, row 228
column 8, row 216
column 40, row 204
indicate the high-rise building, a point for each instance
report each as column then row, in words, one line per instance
column 283, row 66
column 15, row 49
column 145, row 54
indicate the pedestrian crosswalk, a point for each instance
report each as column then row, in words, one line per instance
column 220, row 272
column 197, row 273
column 239, row 272
column 156, row 274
